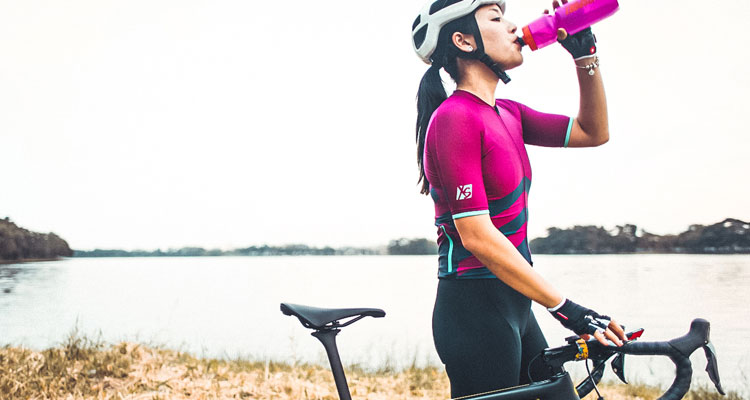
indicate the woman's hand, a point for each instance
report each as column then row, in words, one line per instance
column 614, row 332
column 586, row 322
column 579, row 45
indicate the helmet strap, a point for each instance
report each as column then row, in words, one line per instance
column 495, row 67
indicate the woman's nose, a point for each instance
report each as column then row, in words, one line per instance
column 512, row 27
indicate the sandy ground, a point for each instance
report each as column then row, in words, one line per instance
column 82, row 370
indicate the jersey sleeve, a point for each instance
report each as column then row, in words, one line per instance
column 542, row 129
column 457, row 154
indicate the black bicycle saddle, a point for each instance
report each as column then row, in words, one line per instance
column 327, row 318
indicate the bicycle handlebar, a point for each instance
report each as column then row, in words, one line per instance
column 678, row 350
column 684, row 373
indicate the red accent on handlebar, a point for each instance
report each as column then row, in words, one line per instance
column 635, row 335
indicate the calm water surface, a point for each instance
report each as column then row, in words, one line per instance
column 229, row 306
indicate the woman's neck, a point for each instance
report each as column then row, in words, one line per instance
column 479, row 80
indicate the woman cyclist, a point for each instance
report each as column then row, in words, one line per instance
column 474, row 165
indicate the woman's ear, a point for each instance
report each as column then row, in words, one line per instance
column 463, row 41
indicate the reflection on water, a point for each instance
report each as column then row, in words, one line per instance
column 229, row 306
column 8, row 278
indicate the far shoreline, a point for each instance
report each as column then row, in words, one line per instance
column 31, row 260
column 44, row 260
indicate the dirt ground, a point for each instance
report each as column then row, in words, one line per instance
column 85, row 370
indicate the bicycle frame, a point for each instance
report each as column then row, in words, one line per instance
column 558, row 387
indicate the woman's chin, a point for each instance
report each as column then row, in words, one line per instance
column 515, row 63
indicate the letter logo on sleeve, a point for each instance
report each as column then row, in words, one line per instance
column 463, row 192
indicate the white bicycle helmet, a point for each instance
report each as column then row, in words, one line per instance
column 434, row 16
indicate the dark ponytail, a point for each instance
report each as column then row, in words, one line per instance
column 431, row 91
column 429, row 97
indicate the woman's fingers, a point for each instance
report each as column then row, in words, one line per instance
column 611, row 336
column 562, row 34
column 617, row 329
column 604, row 336
column 556, row 5
column 614, row 333
column 565, row 2
column 598, row 335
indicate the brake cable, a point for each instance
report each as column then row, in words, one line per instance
column 583, row 354
column 531, row 363
column 591, row 378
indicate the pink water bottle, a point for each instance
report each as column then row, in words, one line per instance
column 574, row 17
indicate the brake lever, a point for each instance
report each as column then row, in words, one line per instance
column 618, row 366
column 712, row 366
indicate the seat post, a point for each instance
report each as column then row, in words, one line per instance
column 328, row 338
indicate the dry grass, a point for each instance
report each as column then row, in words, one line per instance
column 86, row 369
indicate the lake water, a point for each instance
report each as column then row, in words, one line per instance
column 229, row 306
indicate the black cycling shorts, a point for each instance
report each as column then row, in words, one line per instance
column 486, row 334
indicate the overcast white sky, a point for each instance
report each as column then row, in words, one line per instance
column 225, row 123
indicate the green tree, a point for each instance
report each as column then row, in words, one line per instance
column 406, row 246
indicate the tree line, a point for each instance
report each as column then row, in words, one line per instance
column 403, row 246
column 731, row 236
column 264, row 250
column 18, row 244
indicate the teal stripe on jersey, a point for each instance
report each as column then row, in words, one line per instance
column 515, row 224
column 523, row 248
column 450, row 250
column 567, row 135
column 470, row 214
column 504, row 203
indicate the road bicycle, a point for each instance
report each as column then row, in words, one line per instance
column 326, row 323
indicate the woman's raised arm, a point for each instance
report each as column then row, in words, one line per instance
column 591, row 127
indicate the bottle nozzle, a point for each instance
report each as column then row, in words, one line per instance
column 521, row 42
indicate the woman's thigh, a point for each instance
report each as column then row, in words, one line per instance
column 477, row 328
column 532, row 344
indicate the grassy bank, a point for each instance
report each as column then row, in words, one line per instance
column 85, row 369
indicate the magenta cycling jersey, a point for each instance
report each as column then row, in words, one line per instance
column 476, row 163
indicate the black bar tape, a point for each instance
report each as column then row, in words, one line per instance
column 681, row 383
column 647, row 348
column 684, row 375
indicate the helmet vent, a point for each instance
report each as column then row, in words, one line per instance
column 419, row 36
column 441, row 4
column 436, row 6
column 416, row 22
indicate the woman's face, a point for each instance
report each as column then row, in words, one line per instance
column 498, row 36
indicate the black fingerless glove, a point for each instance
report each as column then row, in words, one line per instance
column 582, row 44
column 579, row 319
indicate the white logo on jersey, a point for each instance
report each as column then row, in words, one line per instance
column 463, row 192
